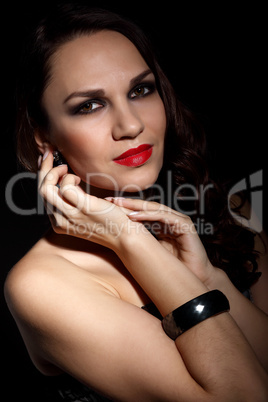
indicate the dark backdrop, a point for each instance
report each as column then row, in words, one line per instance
column 213, row 55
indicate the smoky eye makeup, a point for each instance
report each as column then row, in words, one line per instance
column 143, row 89
column 90, row 106
column 87, row 107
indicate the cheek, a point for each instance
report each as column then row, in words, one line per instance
column 71, row 134
column 82, row 145
column 155, row 118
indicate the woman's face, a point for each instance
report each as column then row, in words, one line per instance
column 102, row 102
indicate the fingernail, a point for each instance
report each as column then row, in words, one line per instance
column 114, row 198
column 45, row 155
column 133, row 213
column 39, row 161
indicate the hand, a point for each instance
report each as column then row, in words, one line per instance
column 76, row 213
column 175, row 231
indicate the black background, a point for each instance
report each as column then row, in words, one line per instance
column 215, row 58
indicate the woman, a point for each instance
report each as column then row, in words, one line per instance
column 93, row 94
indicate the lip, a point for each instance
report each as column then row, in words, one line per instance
column 135, row 156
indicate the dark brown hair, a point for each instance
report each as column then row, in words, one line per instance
column 229, row 247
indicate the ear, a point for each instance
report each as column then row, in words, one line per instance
column 42, row 142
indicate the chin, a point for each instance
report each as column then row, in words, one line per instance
column 119, row 187
column 124, row 181
column 140, row 180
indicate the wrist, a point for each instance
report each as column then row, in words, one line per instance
column 129, row 237
column 217, row 279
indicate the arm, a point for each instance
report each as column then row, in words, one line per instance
column 115, row 347
column 251, row 317
column 206, row 349
column 76, row 324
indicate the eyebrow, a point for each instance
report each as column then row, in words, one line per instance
column 136, row 80
column 96, row 93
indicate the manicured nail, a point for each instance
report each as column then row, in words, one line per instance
column 114, row 198
column 134, row 213
column 45, row 155
column 39, row 161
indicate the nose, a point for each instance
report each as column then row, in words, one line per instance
column 127, row 122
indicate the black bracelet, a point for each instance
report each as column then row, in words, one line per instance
column 194, row 311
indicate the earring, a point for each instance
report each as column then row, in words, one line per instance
column 58, row 159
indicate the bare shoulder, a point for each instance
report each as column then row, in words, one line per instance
column 40, row 273
column 44, row 292
column 73, row 323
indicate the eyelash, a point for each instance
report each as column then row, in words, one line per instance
column 149, row 86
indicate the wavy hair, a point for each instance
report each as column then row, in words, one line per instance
column 229, row 246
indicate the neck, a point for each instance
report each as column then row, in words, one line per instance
column 103, row 193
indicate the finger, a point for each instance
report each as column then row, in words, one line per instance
column 119, row 203
column 54, row 202
column 52, row 177
column 49, row 190
column 83, row 202
column 49, row 178
column 47, row 167
column 136, row 204
column 160, row 216
column 70, row 179
column 143, row 205
column 177, row 224
column 71, row 192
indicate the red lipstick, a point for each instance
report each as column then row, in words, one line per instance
column 135, row 156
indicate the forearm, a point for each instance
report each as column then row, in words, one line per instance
column 211, row 348
column 252, row 321
column 163, row 277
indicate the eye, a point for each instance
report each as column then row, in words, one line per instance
column 141, row 90
column 89, row 107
